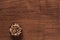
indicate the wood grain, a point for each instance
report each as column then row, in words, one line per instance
column 40, row 19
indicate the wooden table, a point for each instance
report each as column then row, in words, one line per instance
column 40, row 19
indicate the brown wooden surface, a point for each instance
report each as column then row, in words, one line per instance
column 40, row 19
